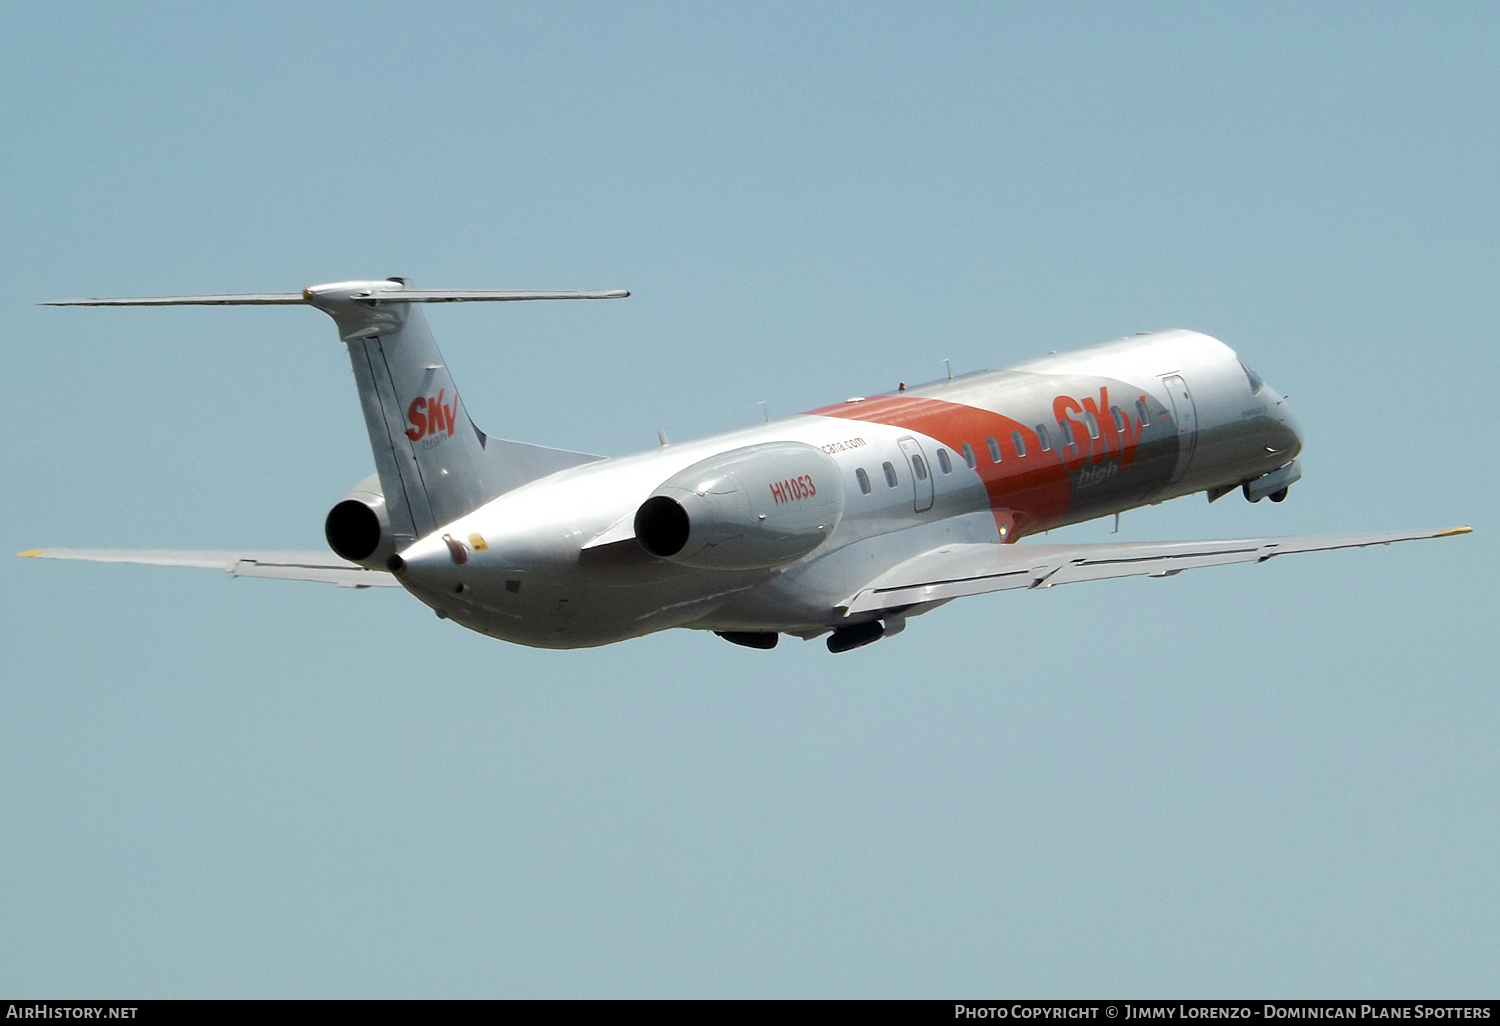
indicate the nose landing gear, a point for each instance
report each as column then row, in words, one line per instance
column 1277, row 496
column 1273, row 484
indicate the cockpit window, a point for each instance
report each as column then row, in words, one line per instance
column 1256, row 384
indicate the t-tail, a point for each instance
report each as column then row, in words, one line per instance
column 434, row 464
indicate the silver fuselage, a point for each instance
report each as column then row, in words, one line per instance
column 1079, row 435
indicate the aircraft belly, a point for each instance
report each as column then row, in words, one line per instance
column 807, row 595
column 578, row 611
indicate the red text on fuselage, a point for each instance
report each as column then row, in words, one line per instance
column 1097, row 430
column 794, row 489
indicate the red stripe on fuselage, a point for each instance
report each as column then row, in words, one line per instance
column 1031, row 490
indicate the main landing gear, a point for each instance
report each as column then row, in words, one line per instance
column 843, row 639
column 751, row 639
column 856, row 636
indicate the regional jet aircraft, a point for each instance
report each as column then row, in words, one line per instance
column 844, row 521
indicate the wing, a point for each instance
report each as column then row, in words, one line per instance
column 289, row 566
column 955, row 571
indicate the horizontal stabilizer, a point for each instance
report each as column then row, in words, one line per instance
column 955, row 571
column 248, row 299
column 487, row 295
column 393, row 295
column 289, row 566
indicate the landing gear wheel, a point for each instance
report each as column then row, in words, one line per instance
column 1245, row 489
column 1279, row 495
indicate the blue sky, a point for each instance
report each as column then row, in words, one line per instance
column 1274, row 780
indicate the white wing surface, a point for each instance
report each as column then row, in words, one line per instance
column 955, row 571
column 288, row 566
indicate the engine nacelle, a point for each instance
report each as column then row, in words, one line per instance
column 358, row 527
column 761, row 506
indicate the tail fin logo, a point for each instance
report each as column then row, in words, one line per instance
column 429, row 416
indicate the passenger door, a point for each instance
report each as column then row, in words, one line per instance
column 921, row 475
column 1185, row 416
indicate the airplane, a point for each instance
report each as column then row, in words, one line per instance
column 844, row 521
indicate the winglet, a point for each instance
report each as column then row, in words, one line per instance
column 1450, row 532
column 29, row 553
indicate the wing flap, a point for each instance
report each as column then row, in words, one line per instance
column 286, row 566
column 956, row 571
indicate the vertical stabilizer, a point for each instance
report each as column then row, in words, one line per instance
column 434, row 464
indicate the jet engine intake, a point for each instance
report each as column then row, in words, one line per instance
column 358, row 528
column 753, row 508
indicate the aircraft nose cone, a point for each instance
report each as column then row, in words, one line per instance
column 1290, row 429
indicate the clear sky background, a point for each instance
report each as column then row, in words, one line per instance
column 1265, row 780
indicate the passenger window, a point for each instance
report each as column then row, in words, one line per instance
column 1041, row 432
column 1145, row 414
column 919, row 467
column 1093, row 423
column 1066, row 428
column 1018, row 442
column 1114, row 411
column 944, row 462
column 994, row 449
column 890, row 474
column 969, row 456
column 863, row 479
